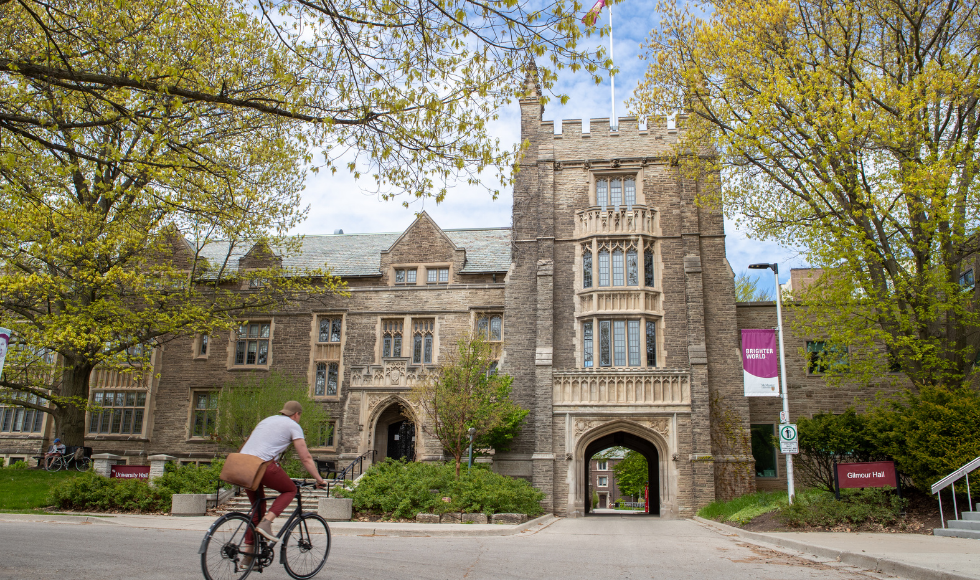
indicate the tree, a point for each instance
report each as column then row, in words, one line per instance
column 632, row 474
column 126, row 211
column 747, row 289
column 827, row 439
column 399, row 92
column 468, row 393
column 246, row 401
column 848, row 130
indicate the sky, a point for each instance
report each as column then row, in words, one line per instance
column 336, row 201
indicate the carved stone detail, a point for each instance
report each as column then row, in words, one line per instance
column 660, row 425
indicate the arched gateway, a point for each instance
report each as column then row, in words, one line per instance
column 647, row 439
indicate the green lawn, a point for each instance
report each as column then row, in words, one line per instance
column 25, row 490
column 742, row 509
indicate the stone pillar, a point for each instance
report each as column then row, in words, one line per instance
column 157, row 465
column 103, row 462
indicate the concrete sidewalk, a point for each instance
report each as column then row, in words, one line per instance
column 913, row 556
column 202, row 523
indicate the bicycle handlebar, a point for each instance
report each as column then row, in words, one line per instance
column 303, row 483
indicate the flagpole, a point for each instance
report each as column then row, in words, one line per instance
column 613, row 123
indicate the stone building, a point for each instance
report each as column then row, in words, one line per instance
column 611, row 298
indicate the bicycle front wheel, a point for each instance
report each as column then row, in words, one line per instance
column 55, row 464
column 83, row 464
column 305, row 546
column 222, row 555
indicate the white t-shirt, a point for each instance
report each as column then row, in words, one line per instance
column 272, row 436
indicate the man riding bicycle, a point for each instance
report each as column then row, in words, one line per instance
column 267, row 442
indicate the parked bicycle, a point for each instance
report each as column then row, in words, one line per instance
column 76, row 459
column 304, row 542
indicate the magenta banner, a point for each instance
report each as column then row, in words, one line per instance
column 760, row 362
column 130, row 471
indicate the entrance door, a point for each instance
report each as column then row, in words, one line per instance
column 603, row 503
column 401, row 440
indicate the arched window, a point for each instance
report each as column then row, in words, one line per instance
column 422, row 339
column 391, row 346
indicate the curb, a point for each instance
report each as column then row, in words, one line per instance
column 337, row 528
column 440, row 530
column 58, row 518
column 881, row 565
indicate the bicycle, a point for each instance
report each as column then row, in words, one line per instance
column 66, row 461
column 304, row 542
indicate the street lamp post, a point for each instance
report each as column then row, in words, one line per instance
column 784, row 390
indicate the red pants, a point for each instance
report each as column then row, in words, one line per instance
column 274, row 478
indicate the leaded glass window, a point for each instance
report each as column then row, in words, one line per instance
column 603, row 267
column 617, row 268
column 587, row 345
column 330, row 328
column 252, row 347
column 601, row 193
column 391, row 338
column 605, row 343
column 205, row 419
column 422, row 341
column 632, row 268
column 629, row 187
column 615, row 193
column 648, row 266
column 633, row 337
column 490, row 327
column 122, row 412
column 651, row 343
column 587, row 269
column 619, row 343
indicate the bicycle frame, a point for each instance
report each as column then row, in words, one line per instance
column 260, row 539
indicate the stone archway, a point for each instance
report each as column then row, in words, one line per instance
column 635, row 443
column 650, row 439
column 395, row 431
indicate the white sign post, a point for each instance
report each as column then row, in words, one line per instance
column 789, row 442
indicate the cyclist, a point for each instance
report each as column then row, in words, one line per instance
column 57, row 449
column 267, row 442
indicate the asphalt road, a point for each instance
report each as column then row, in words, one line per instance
column 589, row 548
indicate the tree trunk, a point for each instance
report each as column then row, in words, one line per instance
column 70, row 414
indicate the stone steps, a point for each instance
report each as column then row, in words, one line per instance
column 240, row 503
column 966, row 527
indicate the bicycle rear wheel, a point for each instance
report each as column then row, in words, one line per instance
column 55, row 464
column 83, row 464
column 222, row 557
column 305, row 546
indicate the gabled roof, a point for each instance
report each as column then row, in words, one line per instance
column 487, row 250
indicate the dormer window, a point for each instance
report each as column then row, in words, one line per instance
column 437, row 276
column 406, row 276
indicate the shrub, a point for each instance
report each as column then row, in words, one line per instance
column 743, row 508
column 18, row 465
column 827, row 439
column 930, row 433
column 91, row 491
column 856, row 506
column 191, row 478
column 403, row 489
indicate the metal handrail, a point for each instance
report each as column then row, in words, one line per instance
column 349, row 470
column 950, row 481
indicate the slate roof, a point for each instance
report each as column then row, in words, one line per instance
column 487, row 250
